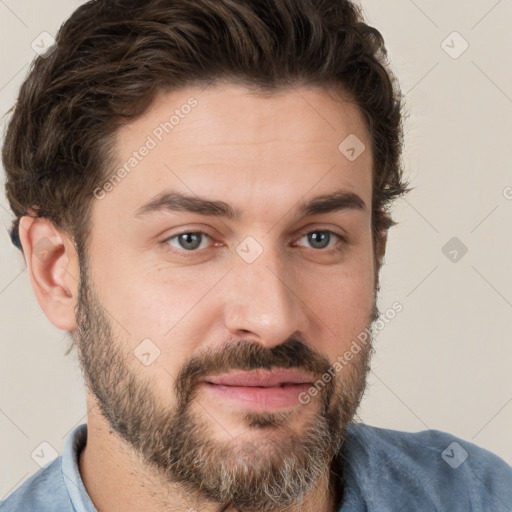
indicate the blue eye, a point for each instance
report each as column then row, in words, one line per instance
column 320, row 239
column 188, row 241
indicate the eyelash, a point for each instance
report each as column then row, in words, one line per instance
column 335, row 249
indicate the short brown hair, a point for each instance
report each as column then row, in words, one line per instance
column 113, row 56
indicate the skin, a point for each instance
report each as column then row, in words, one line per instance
column 262, row 155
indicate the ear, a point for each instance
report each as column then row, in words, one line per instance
column 53, row 268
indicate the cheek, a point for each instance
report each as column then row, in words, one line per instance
column 160, row 304
column 345, row 304
column 343, row 299
column 349, row 283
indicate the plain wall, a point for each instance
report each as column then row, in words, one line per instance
column 444, row 362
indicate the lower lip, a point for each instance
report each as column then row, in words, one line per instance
column 258, row 398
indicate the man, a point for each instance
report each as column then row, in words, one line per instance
column 201, row 191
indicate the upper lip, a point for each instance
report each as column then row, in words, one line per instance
column 261, row 378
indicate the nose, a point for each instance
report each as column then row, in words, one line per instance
column 262, row 300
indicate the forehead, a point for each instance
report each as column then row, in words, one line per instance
column 227, row 140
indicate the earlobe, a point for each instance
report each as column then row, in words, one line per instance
column 52, row 264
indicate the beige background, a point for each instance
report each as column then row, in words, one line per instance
column 444, row 362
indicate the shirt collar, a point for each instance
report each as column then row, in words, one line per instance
column 71, row 473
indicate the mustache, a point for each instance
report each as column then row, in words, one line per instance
column 248, row 355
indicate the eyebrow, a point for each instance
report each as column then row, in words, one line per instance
column 177, row 202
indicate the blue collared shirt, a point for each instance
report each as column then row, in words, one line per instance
column 384, row 471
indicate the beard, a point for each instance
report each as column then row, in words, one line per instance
column 271, row 468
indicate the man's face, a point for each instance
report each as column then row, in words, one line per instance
column 268, row 298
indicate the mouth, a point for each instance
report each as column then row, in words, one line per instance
column 260, row 390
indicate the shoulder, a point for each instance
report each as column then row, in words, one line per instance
column 57, row 487
column 45, row 491
column 427, row 470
